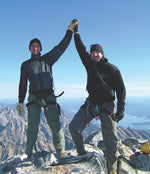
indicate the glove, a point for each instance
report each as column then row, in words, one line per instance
column 73, row 23
column 20, row 108
column 76, row 28
column 118, row 116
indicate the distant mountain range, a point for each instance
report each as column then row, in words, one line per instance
column 13, row 132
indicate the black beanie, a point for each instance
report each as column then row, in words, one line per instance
column 35, row 40
column 96, row 47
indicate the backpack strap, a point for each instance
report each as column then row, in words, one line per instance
column 110, row 91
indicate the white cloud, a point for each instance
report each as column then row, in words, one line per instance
column 8, row 90
column 138, row 89
column 71, row 90
column 76, row 90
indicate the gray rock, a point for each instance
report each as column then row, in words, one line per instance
column 43, row 162
column 141, row 161
column 94, row 162
column 124, row 167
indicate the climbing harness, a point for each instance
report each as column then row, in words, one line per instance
column 42, row 101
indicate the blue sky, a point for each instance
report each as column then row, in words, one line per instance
column 122, row 27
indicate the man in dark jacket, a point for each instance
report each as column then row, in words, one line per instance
column 103, row 82
column 38, row 71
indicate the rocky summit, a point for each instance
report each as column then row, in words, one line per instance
column 93, row 162
column 13, row 144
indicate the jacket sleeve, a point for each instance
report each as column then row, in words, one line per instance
column 52, row 56
column 81, row 49
column 120, row 91
column 22, row 85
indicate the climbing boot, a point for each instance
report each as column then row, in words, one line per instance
column 113, row 172
column 80, row 154
column 62, row 155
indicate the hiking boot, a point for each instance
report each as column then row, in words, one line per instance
column 80, row 154
column 113, row 172
column 63, row 155
column 30, row 158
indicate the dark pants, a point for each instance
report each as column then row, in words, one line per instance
column 85, row 114
column 53, row 119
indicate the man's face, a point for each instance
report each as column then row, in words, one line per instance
column 35, row 48
column 96, row 56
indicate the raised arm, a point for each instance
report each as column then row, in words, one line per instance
column 58, row 50
column 81, row 49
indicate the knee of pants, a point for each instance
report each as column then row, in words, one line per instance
column 75, row 128
column 72, row 128
column 55, row 125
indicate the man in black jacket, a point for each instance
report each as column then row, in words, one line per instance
column 38, row 71
column 103, row 82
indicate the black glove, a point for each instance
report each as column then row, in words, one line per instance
column 118, row 116
column 76, row 28
column 73, row 23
